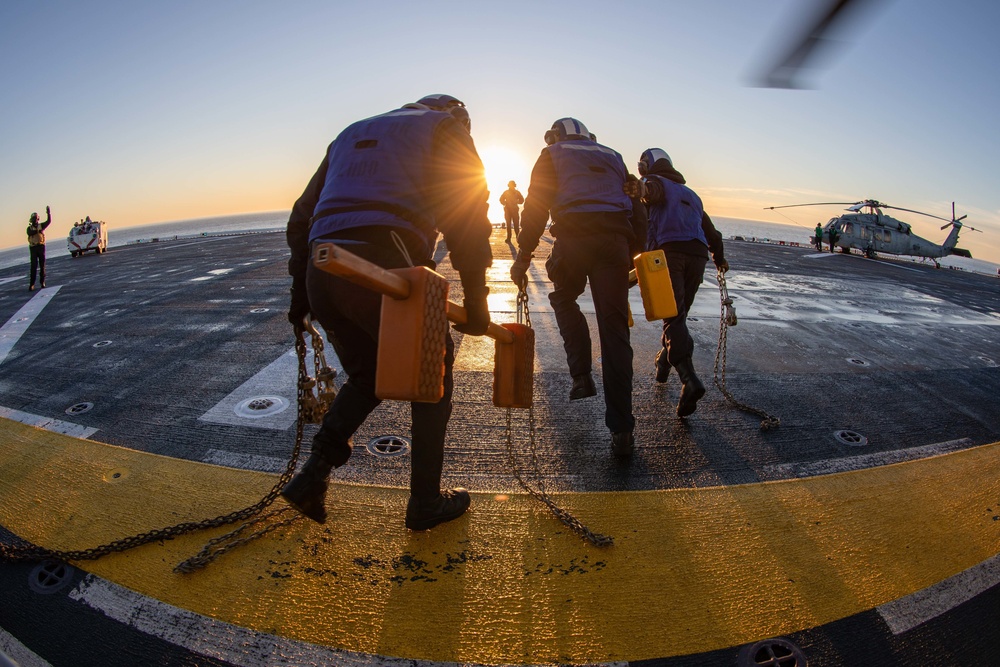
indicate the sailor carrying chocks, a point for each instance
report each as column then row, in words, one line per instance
column 680, row 227
column 384, row 190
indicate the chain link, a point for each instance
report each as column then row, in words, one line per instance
column 727, row 318
column 540, row 494
column 311, row 408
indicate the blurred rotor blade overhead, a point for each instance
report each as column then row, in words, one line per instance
column 812, row 42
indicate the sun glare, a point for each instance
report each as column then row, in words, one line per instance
column 503, row 165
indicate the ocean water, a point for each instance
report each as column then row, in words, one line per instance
column 751, row 230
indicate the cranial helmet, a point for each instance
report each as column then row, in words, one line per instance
column 33, row 219
column 649, row 157
column 511, row 184
column 567, row 128
column 452, row 105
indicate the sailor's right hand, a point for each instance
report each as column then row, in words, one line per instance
column 519, row 271
column 298, row 311
column 477, row 314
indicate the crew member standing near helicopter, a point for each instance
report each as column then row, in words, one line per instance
column 36, row 246
column 385, row 189
column 834, row 237
column 818, row 237
column 679, row 226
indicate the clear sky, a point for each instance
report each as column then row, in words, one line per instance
column 140, row 112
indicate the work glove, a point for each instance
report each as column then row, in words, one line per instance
column 48, row 212
column 519, row 270
column 298, row 311
column 477, row 312
column 633, row 188
column 722, row 265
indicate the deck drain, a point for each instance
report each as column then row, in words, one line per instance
column 857, row 362
column 989, row 362
column 102, row 343
column 50, row 576
column 387, row 446
column 772, row 653
column 851, row 438
column 259, row 310
column 79, row 408
column 261, row 406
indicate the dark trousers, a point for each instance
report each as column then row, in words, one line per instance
column 512, row 216
column 350, row 315
column 37, row 262
column 687, row 272
column 603, row 259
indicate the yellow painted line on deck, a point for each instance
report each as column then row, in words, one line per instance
column 691, row 570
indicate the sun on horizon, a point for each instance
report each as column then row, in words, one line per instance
column 503, row 165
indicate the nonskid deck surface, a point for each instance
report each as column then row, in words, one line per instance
column 172, row 349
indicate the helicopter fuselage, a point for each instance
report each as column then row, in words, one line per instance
column 874, row 233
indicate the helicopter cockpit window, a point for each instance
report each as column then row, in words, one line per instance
column 848, row 228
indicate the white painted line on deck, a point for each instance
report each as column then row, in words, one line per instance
column 18, row 324
column 279, row 378
column 221, row 457
column 48, row 423
column 4, row 281
column 861, row 461
column 216, row 639
column 908, row 612
column 18, row 652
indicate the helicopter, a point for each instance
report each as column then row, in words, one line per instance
column 868, row 229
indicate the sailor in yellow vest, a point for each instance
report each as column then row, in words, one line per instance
column 36, row 246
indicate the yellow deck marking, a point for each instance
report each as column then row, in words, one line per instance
column 691, row 570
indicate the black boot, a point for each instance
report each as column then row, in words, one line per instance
column 424, row 515
column 306, row 492
column 622, row 444
column 662, row 366
column 583, row 387
column 692, row 390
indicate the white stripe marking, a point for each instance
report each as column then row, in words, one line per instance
column 3, row 281
column 860, row 462
column 12, row 649
column 908, row 612
column 221, row 457
column 216, row 639
column 279, row 378
column 48, row 423
column 18, row 324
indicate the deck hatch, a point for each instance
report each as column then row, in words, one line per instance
column 388, row 446
column 50, row 576
column 772, row 653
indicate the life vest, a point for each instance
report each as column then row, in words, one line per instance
column 377, row 175
column 589, row 178
column 677, row 217
column 35, row 237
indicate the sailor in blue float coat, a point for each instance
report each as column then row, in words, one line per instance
column 580, row 183
column 679, row 226
column 385, row 189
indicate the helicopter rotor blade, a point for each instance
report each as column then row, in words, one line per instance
column 811, row 42
column 822, row 203
column 909, row 210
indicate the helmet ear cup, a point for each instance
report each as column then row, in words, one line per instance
column 643, row 168
column 551, row 137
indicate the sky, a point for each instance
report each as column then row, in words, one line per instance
column 143, row 112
